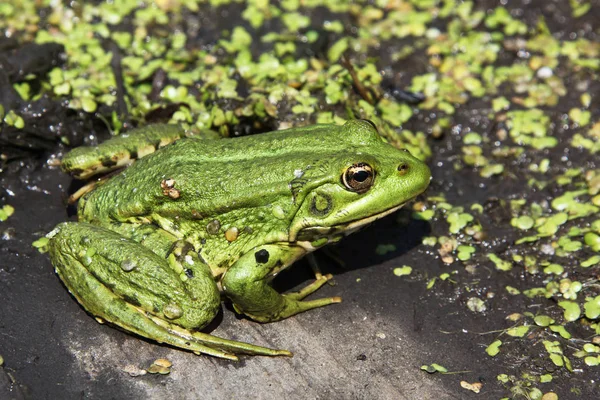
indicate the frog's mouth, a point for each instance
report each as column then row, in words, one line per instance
column 336, row 232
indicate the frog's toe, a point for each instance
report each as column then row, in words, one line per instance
column 311, row 288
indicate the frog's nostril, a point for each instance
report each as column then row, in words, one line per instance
column 403, row 168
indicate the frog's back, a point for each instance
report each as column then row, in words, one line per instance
column 197, row 178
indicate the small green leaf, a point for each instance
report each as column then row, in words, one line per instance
column 494, row 348
column 593, row 260
column 512, row 290
column 337, row 49
column 592, row 308
column 557, row 359
column 404, row 270
column 41, row 242
column 524, row 222
column 501, row 264
column 431, row 282
column 591, row 361
column 591, row 348
column 561, row 331
column 433, row 368
column 518, row 331
column 543, row 320
column 555, row 269
column 572, row 310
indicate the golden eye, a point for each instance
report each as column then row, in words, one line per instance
column 358, row 177
column 403, row 168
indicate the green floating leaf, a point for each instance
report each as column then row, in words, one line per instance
column 592, row 308
column 501, row 264
column 535, row 292
column 337, row 49
column 491, row 170
column 518, row 331
column 6, row 212
column 591, row 348
column 431, row 282
column 543, row 320
column 404, row 270
column 557, row 359
column 555, row 269
column 458, row 221
column 433, row 368
column 572, row 310
column 524, row 222
column 592, row 361
column 593, row 260
column 41, row 244
column 464, row 252
column 592, row 240
column 512, row 290
column 551, row 225
column 561, row 331
column 494, row 348
column 425, row 215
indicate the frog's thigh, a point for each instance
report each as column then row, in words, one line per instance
column 124, row 283
column 246, row 283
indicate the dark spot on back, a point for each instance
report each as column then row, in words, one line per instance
column 189, row 273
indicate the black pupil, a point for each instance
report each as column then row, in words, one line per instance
column 360, row 176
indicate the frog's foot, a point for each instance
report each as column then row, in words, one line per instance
column 126, row 284
column 311, row 288
column 204, row 343
column 287, row 307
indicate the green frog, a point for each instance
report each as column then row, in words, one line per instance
column 196, row 218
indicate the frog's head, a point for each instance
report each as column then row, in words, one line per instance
column 368, row 180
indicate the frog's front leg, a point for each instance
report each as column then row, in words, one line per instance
column 246, row 283
column 125, row 283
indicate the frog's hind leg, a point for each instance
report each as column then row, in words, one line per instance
column 120, row 151
column 126, row 284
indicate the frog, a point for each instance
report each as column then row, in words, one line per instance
column 191, row 220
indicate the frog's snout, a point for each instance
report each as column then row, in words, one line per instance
column 418, row 174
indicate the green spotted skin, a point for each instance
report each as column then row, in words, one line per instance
column 202, row 217
column 120, row 151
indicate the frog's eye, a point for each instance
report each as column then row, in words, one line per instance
column 358, row 177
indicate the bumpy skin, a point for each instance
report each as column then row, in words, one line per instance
column 157, row 243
